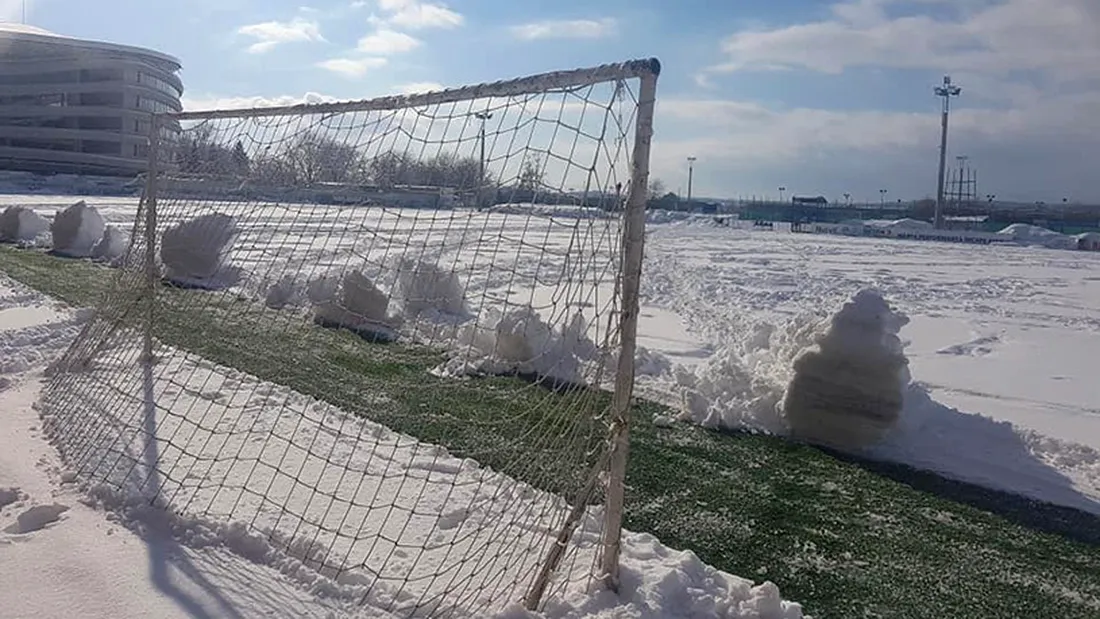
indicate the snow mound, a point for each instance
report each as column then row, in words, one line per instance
column 422, row 288
column 741, row 385
column 520, row 342
column 77, row 230
column 661, row 216
column 112, row 245
column 837, row 381
column 658, row 582
column 195, row 252
column 847, row 391
column 352, row 302
column 19, row 224
column 1042, row 237
column 907, row 223
column 555, row 211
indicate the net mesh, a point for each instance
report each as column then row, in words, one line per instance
column 382, row 340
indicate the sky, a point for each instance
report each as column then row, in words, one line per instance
column 820, row 98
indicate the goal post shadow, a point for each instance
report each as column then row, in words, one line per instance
column 612, row 462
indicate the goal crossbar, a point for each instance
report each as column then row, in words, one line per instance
column 555, row 80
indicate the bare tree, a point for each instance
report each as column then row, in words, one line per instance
column 657, row 188
column 315, row 158
column 530, row 176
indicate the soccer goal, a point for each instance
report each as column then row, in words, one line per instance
column 390, row 341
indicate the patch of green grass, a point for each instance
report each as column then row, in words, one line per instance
column 846, row 538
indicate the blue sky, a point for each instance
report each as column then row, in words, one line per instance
column 819, row 97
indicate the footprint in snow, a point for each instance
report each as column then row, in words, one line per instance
column 36, row 518
column 9, row 496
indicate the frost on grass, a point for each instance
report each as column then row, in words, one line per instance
column 195, row 252
column 847, row 392
column 77, row 230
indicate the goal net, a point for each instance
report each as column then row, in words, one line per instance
column 387, row 341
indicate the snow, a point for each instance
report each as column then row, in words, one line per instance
column 195, row 252
column 77, row 230
column 1035, row 235
column 1000, row 343
column 847, row 390
column 20, row 224
column 101, row 550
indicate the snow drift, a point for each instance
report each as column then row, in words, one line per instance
column 19, row 224
column 1028, row 234
column 111, row 246
column 847, row 391
column 195, row 252
column 424, row 288
column 77, row 230
column 352, row 302
column 837, row 382
column 520, row 342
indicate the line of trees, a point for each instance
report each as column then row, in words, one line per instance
column 312, row 158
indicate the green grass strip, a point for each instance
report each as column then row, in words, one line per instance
column 845, row 537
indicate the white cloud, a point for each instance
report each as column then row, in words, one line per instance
column 385, row 42
column 413, row 88
column 416, row 15
column 1057, row 38
column 1030, row 72
column 352, row 67
column 196, row 103
column 566, row 29
column 270, row 34
column 1029, row 151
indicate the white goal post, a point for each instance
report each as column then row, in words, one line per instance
column 392, row 338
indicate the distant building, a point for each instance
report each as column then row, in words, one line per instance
column 79, row 107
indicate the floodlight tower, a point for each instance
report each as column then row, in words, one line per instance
column 482, row 116
column 946, row 91
column 691, row 172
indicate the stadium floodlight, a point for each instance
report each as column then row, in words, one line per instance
column 691, row 174
column 946, row 91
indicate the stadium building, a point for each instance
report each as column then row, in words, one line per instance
column 79, row 107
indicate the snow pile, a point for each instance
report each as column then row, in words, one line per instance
column 555, row 211
column 847, row 391
column 741, row 385
column 658, row 582
column 1028, row 234
column 77, row 230
column 837, row 382
column 19, row 224
column 1088, row 241
column 520, row 342
column 352, row 302
column 661, row 216
column 195, row 252
column 902, row 225
column 422, row 288
column 111, row 246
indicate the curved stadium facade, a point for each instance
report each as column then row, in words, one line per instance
column 79, row 107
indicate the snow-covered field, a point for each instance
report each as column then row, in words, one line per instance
column 1001, row 342
column 97, row 552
